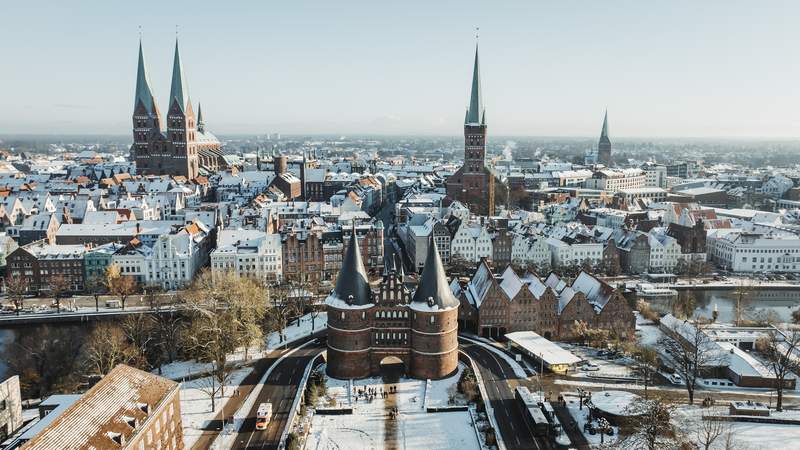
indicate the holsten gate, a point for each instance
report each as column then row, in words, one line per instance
column 369, row 323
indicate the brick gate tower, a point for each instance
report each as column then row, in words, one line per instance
column 366, row 326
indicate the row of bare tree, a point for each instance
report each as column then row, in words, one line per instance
column 219, row 314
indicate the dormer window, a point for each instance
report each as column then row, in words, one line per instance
column 116, row 437
column 131, row 421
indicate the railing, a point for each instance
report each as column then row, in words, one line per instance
column 301, row 389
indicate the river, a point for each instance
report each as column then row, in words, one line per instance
column 759, row 304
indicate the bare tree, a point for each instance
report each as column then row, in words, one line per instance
column 781, row 352
column 646, row 363
column 684, row 306
column 709, row 430
column 58, row 286
column 226, row 312
column 650, row 425
column 107, row 347
column 46, row 359
column 120, row 285
column 139, row 330
column 742, row 294
column 152, row 296
column 283, row 306
column 16, row 288
column 168, row 327
column 96, row 286
column 692, row 352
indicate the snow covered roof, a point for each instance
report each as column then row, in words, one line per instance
column 510, row 283
column 352, row 285
column 433, row 292
column 536, row 345
column 479, row 284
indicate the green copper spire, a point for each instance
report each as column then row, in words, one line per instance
column 475, row 111
column 604, row 131
column 200, row 124
column 178, row 89
column 144, row 93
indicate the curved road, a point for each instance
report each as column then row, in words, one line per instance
column 280, row 389
column 497, row 375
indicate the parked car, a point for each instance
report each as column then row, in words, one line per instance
column 675, row 379
column 590, row 367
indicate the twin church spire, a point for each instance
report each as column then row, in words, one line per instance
column 178, row 88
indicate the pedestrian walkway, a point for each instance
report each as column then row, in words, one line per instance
column 577, row 438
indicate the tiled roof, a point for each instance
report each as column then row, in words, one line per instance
column 124, row 395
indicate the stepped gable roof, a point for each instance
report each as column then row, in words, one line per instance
column 352, row 285
column 433, row 292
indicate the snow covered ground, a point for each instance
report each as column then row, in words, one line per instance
column 613, row 368
column 441, row 391
column 298, row 330
column 750, row 436
column 370, row 425
column 582, row 417
column 180, row 370
column 196, row 404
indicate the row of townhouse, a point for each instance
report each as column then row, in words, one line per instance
column 493, row 305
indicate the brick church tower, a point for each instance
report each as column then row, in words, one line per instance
column 604, row 145
column 473, row 183
column 185, row 144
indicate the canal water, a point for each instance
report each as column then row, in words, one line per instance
column 758, row 305
column 9, row 337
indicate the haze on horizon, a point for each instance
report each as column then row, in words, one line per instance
column 670, row 69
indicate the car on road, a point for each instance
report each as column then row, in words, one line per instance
column 675, row 379
column 590, row 367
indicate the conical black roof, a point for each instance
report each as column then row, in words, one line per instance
column 352, row 284
column 433, row 291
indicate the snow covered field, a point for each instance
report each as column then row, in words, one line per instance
column 750, row 436
column 370, row 425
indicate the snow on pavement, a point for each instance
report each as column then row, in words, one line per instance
column 369, row 427
column 298, row 330
column 196, row 404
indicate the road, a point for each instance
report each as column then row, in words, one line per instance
column 280, row 389
column 500, row 382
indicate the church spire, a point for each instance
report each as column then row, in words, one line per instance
column 604, row 131
column 144, row 93
column 475, row 113
column 200, row 124
column 178, row 89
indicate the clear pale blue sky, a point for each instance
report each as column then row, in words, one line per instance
column 673, row 68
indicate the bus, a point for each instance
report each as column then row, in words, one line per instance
column 263, row 415
column 532, row 412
